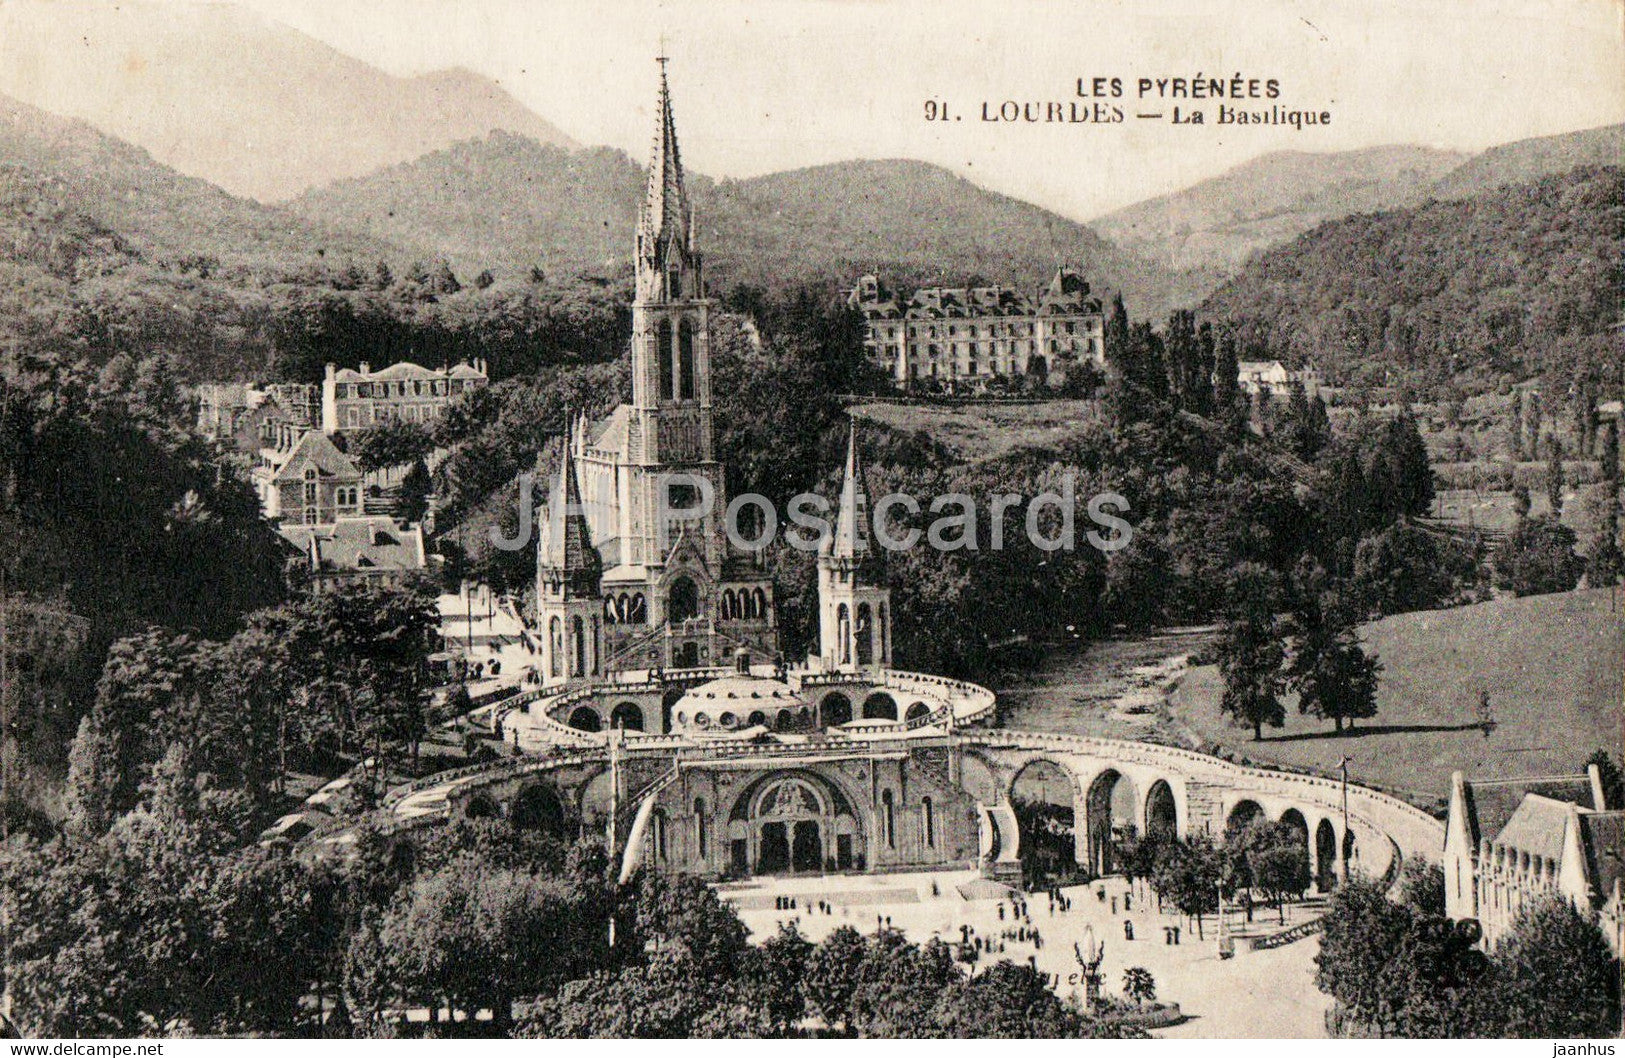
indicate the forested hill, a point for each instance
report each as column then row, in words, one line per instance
column 509, row 203
column 1515, row 282
column 1525, row 160
column 161, row 213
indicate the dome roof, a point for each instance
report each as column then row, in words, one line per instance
column 733, row 703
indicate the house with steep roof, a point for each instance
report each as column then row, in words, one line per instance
column 356, row 400
column 302, row 478
column 367, row 547
column 1253, row 376
column 1510, row 842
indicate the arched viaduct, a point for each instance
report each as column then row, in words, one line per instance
column 970, row 776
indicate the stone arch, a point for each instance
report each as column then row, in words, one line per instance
column 880, row 706
column 627, row 716
column 482, row 806
column 683, row 600
column 1300, row 828
column 757, row 718
column 917, row 711
column 834, row 710
column 537, row 807
column 585, row 718
column 1161, row 812
column 1326, row 856
column 1241, row 817
column 1111, row 812
column 1044, row 796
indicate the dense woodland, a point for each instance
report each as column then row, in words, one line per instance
column 1512, row 284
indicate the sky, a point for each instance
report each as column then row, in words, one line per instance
column 776, row 84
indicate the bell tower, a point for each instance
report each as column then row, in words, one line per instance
column 671, row 333
column 854, row 604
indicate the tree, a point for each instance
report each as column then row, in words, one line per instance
column 1557, row 976
column 1538, row 558
column 1330, row 670
column 1139, row 986
column 832, row 975
column 1608, row 457
column 392, row 444
column 1554, row 478
column 1250, row 653
column 413, row 502
column 1613, row 781
column 780, row 966
column 1277, row 857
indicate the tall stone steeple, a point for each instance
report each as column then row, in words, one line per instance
column 668, row 262
column 854, row 605
column 670, row 432
column 569, row 573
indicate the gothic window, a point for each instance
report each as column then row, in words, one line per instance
column 761, row 603
column 885, row 633
column 843, row 631
column 663, row 354
column 889, row 820
column 685, row 359
column 684, row 602
column 699, row 827
column 864, row 634
column 555, row 640
column 637, row 609
column 659, row 822
column 578, row 647
column 928, row 811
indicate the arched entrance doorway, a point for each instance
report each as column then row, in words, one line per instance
column 1111, row 819
column 1161, row 812
column 1325, row 856
column 1044, row 798
column 917, row 711
column 585, row 718
column 834, row 710
column 627, row 716
column 791, row 816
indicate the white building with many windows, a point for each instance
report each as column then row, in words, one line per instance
column 958, row 334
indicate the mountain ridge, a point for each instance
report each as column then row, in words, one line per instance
column 245, row 102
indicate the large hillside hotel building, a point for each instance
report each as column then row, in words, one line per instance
column 355, row 400
column 960, row 334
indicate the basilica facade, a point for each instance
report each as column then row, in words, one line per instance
column 623, row 582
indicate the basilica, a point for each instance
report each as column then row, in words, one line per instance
column 619, row 586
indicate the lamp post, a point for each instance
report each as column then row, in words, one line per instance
column 1342, row 851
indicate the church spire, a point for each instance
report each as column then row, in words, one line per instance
column 666, row 217
column 569, row 551
column 851, row 537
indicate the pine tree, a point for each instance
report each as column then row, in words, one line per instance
column 1554, row 477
